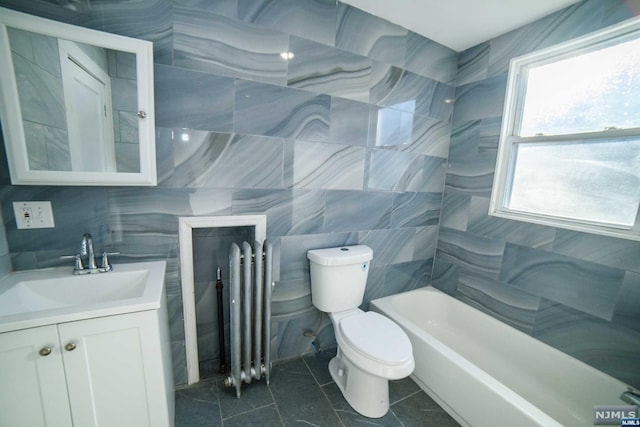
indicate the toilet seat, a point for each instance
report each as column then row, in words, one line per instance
column 377, row 338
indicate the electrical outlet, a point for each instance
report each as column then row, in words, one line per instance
column 33, row 214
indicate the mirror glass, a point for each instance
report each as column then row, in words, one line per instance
column 77, row 104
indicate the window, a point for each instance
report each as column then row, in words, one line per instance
column 569, row 153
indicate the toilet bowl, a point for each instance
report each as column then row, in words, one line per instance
column 372, row 349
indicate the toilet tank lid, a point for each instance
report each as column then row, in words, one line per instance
column 341, row 255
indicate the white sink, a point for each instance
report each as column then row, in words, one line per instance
column 37, row 297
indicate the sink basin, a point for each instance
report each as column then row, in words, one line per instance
column 36, row 297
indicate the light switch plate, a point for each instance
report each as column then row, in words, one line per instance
column 33, row 214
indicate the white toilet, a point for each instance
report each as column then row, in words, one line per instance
column 372, row 349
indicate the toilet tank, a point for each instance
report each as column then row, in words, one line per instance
column 339, row 277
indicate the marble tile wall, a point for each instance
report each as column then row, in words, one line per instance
column 345, row 143
column 577, row 292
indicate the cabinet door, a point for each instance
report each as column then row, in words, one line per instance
column 33, row 390
column 104, row 360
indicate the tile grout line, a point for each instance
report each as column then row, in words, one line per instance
column 322, row 391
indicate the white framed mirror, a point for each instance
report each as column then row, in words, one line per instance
column 76, row 105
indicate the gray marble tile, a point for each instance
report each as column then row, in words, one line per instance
column 522, row 233
column 416, row 209
column 307, row 212
column 430, row 137
column 512, row 306
column 607, row 347
column 293, row 254
column 349, row 416
column 618, row 253
column 585, row 286
column 355, row 211
column 164, row 156
column 228, row 8
column 489, row 137
column 564, row 25
column 193, row 100
column 179, row 361
column 407, row 276
column 311, row 19
column 58, row 151
column 420, row 410
column 209, row 159
column 445, row 275
column 227, row 47
column 127, row 157
column 40, row 94
column 431, row 59
column 50, row 10
column 124, row 64
column 465, row 139
column 425, row 242
column 147, row 19
column 285, row 112
column 266, row 415
column 125, row 95
column 291, row 298
column 197, row 405
column 471, row 253
column 398, row 171
column 299, row 398
column 254, row 396
column 394, row 87
column 471, row 176
column 481, row 99
column 326, row 166
column 5, row 264
column 323, row 69
column 617, row 11
column 318, row 364
column 473, row 64
column 351, row 122
column 291, row 340
column 455, row 211
column 20, row 43
column 434, row 174
column 626, row 312
column 392, row 246
column 127, row 127
column 365, row 34
column 275, row 204
column 36, row 146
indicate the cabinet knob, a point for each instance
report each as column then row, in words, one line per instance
column 70, row 347
column 45, row 351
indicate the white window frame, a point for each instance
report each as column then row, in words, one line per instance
column 514, row 102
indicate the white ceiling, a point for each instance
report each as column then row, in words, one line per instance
column 460, row 24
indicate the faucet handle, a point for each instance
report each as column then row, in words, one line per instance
column 106, row 266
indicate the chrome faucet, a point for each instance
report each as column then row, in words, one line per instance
column 631, row 397
column 86, row 258
column 87, row 254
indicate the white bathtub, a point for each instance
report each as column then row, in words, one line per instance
column 486, row 373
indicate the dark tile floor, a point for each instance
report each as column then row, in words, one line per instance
column 302, row 392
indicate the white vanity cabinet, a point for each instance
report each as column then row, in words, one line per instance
column 104, row 371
